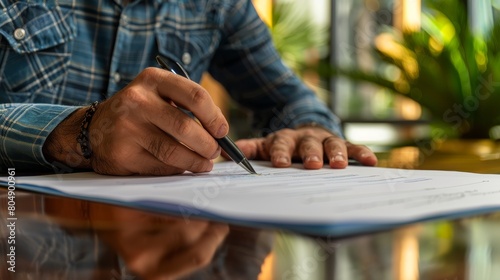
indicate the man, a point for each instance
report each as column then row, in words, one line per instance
column 58, row 55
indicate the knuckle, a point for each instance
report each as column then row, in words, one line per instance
column 199, row 96
column 152, row 76
column 149, row 73
column 310, row 139
column 168, row 153
column 201, row 258
column 154, row 146
column 165, row 151
column 131, row 96
column 280, row 140
column 217, row 118
column 209, row 146
column 275, row 150
column 308, row 147
column 332, row 140
column 308, row 132
column 286, row 131
column 182, row 126
column 131, row 91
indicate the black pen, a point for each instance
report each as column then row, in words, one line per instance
column 225, row 143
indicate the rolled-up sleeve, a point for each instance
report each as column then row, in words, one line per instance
column 23, row 131
column 250, row 68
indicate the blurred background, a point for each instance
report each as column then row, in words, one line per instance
column 419, row 79
column 396, row 71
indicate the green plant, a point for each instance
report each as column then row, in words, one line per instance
column 295, row 35
column 449, row 70
column 301, row 41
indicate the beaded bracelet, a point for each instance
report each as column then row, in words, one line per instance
column 83, row 136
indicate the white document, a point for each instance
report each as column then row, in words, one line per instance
column 329, row 201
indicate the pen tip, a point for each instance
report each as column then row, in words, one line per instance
column 247, row 166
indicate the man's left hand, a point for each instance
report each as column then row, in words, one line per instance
column 311, row 145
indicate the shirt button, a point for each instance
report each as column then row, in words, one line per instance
column 186, row 58
column 124, row 20
column 19, row 33
column 117, row 77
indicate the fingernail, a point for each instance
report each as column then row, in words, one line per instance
column 339, row 158
column 283, row 160
column 312, row 158
column 222, row 131
column 363, row 155
column 217, row 153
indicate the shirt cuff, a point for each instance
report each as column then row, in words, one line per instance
column 24, row 129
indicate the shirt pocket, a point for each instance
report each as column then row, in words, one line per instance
column 189, row 33
column 35, row 50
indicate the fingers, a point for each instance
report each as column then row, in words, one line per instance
column 198, row 255
column 336, row 151
column 362, row 154
column 147, row 164
column 170, row 152
column 169, row 238
column 143, row 116
column 311, row 145
column 190, row 96
column 311, row 152
column 281, row 148
column 153, row 152
column 184, row 129
column 286, row 144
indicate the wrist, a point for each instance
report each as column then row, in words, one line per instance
column 83, row 138
column 62, row 147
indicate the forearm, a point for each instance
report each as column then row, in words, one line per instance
column 252, row 71
column 24, row 129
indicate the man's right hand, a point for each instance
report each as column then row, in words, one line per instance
column 158, row 246
column 140, row 131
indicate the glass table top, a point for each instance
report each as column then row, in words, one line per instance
column 62, row 238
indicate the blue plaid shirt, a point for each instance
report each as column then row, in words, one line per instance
column 57, row 55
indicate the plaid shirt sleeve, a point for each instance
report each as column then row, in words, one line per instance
column 23, row 130
column 67, row 63
column 33, row 65
column 251, row 69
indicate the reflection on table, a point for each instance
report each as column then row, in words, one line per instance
column 61, row 238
